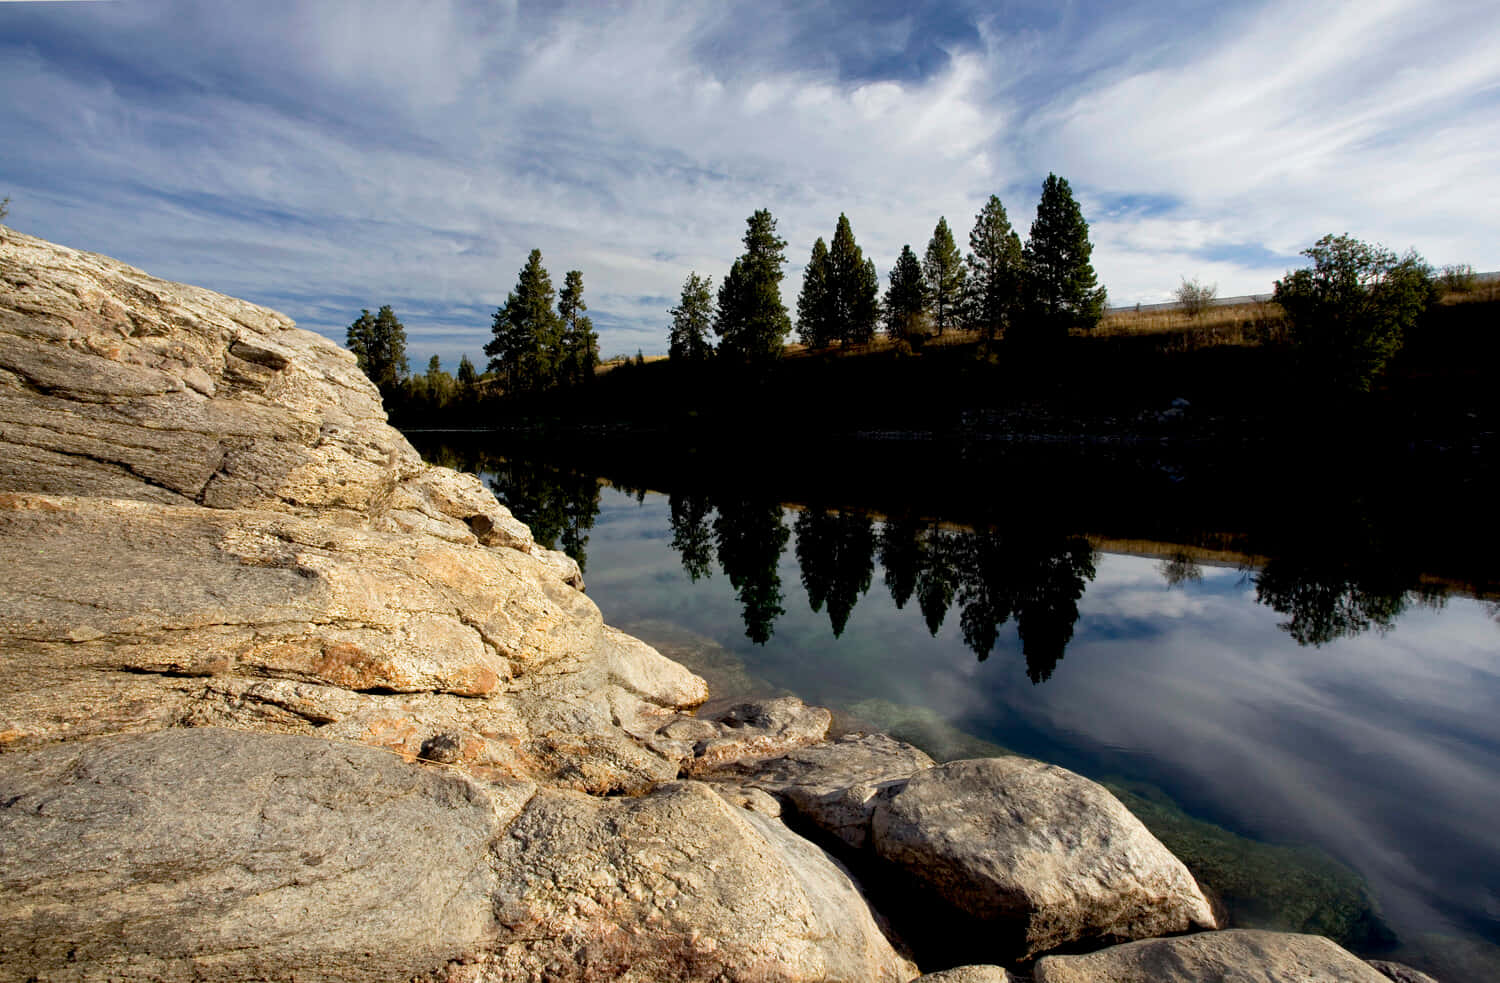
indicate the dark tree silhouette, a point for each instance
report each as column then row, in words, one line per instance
column 751, row 536
column 691, row 536
column 836, row 551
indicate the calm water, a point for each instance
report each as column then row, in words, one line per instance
column 1317, row 698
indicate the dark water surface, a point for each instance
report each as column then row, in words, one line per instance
column 1302, row 704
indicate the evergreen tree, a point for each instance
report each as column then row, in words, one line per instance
column 906, row 297
column 943, row 272
column 439, row 383
column 692, row 319
column 852, row 287
column 378, row 342
column 1062, row 290
column 995, row 269
column 752, row 320
column 526, row 331
column 466, row 376
column 579, row 347
column 816, row 325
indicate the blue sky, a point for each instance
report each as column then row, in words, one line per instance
column 320, row 157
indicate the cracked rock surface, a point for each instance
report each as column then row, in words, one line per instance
column 284, row 702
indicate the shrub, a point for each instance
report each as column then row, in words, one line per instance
column 1350, row 312
column 1194, row 297
column 1459, row 278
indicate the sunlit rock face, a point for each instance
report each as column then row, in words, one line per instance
column 1038, row 850
column 280, row 697
column 1239, row 955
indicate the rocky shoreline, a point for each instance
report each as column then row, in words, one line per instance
column 284, row 702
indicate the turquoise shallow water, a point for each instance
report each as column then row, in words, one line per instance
column 1356, row 721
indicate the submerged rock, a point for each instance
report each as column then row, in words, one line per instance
column 1234, row 956
column 1039, row 850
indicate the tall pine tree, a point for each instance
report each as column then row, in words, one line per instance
column 816, row 325
column 752, row 320
column 526, row 331
column 943, row 271
column 853, row 289
column 579, row 345
column 378, row 342
column 692, row 319
column 1062, row 289
column 995, row 268
column 906, row 297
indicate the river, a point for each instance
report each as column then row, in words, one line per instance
column 1302, row 705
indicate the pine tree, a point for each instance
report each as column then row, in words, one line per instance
column 466, row 376
column 943, row 271
column 852, row 288
column 526, row 331
column 579, row 345
column 751, row 319
column 378, row 342
column 692, row 319
column 1062, row 290
column 995, row 267
column 906, row 297
column 815, row 313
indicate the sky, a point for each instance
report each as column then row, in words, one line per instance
column 326, row 156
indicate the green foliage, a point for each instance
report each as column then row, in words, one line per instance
column 853, row 289
column 943, row 272
column 378, row 342
column 906, row 297
column 751, row 319
column 1062, row 289
column 994, row 271
column 578, row 348
column 527, row 333
column 816, row 326
column 692, row 319
column 1194, row 297
column 1351, row 311
column 840, row 299
column 466, row 376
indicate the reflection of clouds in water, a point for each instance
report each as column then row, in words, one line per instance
column 1383, row 748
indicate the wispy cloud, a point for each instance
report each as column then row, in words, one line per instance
column 299, row 154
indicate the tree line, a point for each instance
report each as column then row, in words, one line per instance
column 541, row 339
column 1032, row 292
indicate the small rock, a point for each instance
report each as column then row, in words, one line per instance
column 965, row 974
column 1235, row 956
column 1399, row 972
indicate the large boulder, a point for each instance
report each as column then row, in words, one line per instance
column 1234, row 956
column 213, row 855
column 208, row 854
column 1040, row 853
column 206, row 520
column 675, row 885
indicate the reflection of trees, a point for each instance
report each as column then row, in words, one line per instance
column 1326, row 597
column 559, row 506
column 691, row 537
column 750, row 537
column 836, row 551
column 901, row 557
column 1180, row 568
column 1035, row 575
column 1334, row 576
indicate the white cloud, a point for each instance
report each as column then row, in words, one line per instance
column 353, row 150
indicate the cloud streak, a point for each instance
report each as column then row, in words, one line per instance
column 300, row 154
